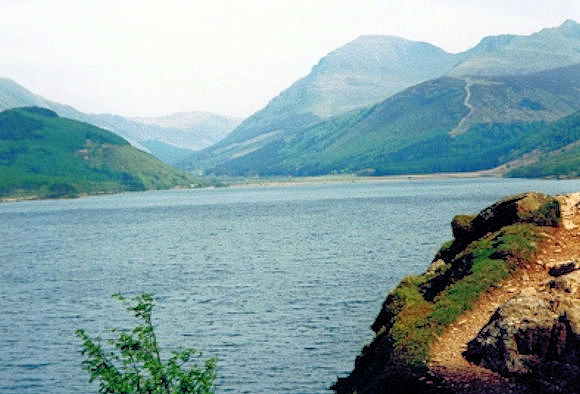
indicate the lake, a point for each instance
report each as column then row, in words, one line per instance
column 279, row 283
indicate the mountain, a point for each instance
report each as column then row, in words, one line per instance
column 513, row 55
column 361, row 73
column 180, row 132
column 44, row 155
column 443, row 125
column 190, row 130
column 326, row 122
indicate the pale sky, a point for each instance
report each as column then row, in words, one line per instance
column 139, row 57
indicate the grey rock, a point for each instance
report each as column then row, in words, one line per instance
column 536, row 336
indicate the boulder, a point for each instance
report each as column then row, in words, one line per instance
column 536, row 336
column 569, row 210
column 531, row 207
column 462, row 227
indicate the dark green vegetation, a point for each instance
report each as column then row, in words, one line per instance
column 188, row 131
column 487, row 248
column 560, row 165
column 559, row 146
column 425, row 129
column 134, row 364
column 45, row 156
column 472, row 116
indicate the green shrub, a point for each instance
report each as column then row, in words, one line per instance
column 134, row 364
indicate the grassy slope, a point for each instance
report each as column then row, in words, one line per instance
column 419, row 321
column 360, row 139
column 409, row 132
column 43, row 155
column 562, row 154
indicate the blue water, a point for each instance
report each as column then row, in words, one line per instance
column 281, row 283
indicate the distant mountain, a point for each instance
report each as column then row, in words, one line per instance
column 514, row 55
column 167, row 153
column 181, row 132
column 192, row 130
column 504, row 81
column 43, row 155
column 361, row 73
column 446, row 124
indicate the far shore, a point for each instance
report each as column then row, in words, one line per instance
column 288, row 181
column 351, row 178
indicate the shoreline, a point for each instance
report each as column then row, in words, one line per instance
column 290, row 181
column 323, row 179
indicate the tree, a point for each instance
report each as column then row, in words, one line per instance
column 132, row 362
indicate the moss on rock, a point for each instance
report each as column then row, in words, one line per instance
column 486, row 248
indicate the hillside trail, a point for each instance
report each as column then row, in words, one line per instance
column 560, row 244
column 461, row 127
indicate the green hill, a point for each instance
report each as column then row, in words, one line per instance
column 343, row 116
column 181, row 133
column 45, row 156
column 443, row 125
column 557, row 146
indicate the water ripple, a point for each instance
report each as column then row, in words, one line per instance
column 281, row 284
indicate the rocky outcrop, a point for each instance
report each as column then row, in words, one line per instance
column 532, row 207
column 535, row 335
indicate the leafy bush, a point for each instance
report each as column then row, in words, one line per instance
column 134, row 364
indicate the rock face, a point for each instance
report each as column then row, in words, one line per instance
column 570, row 210
column 527, row 207
column 535, row 335
column 531, row 207
column 533, row 339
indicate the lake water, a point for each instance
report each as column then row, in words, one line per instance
column 280, row 283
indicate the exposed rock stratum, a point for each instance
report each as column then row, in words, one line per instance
column 520, row 335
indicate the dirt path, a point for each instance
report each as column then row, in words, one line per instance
column 460, row 128
column 560, row 244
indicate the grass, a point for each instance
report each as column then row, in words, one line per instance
column 45, row 156
column 417, row 322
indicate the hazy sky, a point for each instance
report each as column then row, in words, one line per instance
column 225, row 56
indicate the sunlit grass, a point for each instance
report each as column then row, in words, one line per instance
column 418, row 322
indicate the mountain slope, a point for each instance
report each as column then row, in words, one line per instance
column 43, row 155
column 362, row 72
column 447, row 124
column 557, row 149
column 516, row 55
column 184, row 131
column 295, row 135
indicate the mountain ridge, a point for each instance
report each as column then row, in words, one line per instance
column 411, row 132
column 291, row 116
column 190, row 137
